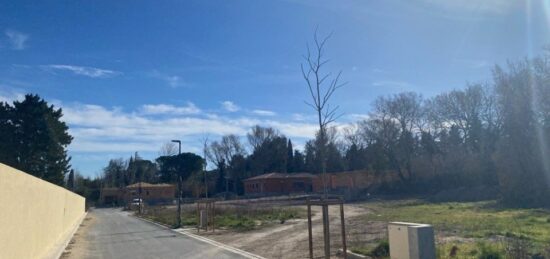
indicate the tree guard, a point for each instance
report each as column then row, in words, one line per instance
column 325, row 202
column 209, row 207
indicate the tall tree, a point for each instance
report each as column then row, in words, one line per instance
column 178, row 168
column 522, row 156
column 7, row 138
column 38, row 139
column 221, row 154
column 269, row 151
column 299, row 162
column 70, row 180
column 289, row 157
column 259, row 135
column 114, row 174
column 321, row 92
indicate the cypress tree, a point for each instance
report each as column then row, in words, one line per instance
column 290, row 158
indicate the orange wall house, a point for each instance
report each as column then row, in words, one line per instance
column 150, row 193
column 279, row 183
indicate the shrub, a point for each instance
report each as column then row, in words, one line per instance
column 381, row 250
column 489, row 252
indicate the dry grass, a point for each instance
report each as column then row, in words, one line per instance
column 241, row 217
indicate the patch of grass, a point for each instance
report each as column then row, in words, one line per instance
column 243, row 219
column 235, row 218
column 468, row 219
column 380, row 251
column 489, row 252
column 474, row 250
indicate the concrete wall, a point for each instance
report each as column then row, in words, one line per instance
column 34, row 215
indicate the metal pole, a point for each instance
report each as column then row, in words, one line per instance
column 140, row 199
column 179, row 187
column 343, row 228
column 326, row 230
column 213, row 215
column 179, row 203
column 205, row 178
column 309, row 229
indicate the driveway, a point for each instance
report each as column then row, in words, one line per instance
column 112, row 233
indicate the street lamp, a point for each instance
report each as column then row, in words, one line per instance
column 179, row 186
column 179, row 144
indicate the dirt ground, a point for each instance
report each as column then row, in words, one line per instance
column 77, row 247
column 290, row 240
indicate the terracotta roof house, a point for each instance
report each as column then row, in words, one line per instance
column 149, row 193
column 279, row 183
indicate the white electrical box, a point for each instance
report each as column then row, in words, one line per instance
column 411, row 241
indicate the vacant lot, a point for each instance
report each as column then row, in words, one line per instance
column 229, row 216
column 465, row 230
column 474, row 229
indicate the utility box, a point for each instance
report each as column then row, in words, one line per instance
column 411, row 241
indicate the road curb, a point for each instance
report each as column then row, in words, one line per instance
column 182, row 231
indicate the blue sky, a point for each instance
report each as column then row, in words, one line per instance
column 131, row 75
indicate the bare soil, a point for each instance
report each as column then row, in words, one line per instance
column 290, row 239
column 77, row 247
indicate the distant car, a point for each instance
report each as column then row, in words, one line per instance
column 134, row 205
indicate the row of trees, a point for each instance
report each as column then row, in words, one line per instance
column 492, row 134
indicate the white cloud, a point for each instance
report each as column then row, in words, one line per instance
column 92, row 72
column 230, row 106
column 297, row 130
column 394, row 85
column 264, row 112
column 172, row 80
column 10, row 96
column 190, row 108
column 99, row 129
column 298, row 117
column 16, row 39
column 358, row 116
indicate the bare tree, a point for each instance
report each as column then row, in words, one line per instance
column 168, row 149
column 260, row 135
column 352, row 136
column 321, row 87
column 222, row 152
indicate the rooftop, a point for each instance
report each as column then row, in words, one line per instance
column 144, row 184
column 281, row 176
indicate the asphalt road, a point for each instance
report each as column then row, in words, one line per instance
column 115, row 234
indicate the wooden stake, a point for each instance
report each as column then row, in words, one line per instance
column 309, row 229
column 343, row 229
column 326, row 231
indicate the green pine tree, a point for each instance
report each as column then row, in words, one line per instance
column 38, row 139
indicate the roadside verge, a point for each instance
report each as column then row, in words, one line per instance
column 203, row 239
column 59, row 247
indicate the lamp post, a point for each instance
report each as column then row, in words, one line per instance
column 179, row 145
column 179, row 187
column 204, row 168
